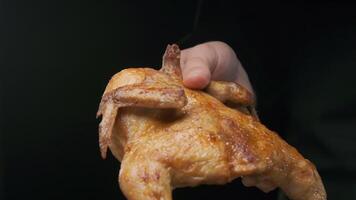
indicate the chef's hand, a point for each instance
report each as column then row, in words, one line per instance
column 212, row 61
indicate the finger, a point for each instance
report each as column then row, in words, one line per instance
column 226, row 62
column 228, row 67
column 196, row 73
column 197, row 64
column 212, row 61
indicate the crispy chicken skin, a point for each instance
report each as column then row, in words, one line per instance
column 168, row 136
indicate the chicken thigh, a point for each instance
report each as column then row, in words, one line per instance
column 167, row 136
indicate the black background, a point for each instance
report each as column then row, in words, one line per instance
column 57, row 57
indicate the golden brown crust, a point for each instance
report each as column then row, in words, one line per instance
column 229, row 91
column 171, row 59
column 169, row 136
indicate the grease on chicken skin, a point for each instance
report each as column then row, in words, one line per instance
column 169, row 136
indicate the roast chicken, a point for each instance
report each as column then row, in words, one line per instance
column 167, row 136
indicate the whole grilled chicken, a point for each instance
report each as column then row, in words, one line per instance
column 168, row 136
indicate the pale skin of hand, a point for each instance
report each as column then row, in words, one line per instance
column 212, row 61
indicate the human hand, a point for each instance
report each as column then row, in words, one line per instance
column 212, row 61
